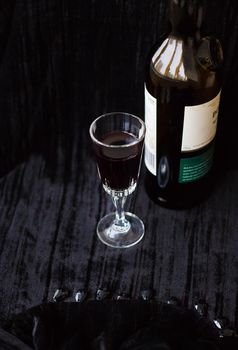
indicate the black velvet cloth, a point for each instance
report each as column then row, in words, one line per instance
column 62, row 63
column 113, row 325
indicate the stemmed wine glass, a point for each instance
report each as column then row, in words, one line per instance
column 118, row 140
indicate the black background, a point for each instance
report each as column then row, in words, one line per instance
column 62, row 63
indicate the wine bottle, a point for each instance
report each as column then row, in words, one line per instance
column 182, row 95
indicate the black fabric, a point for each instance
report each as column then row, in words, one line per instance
column 114, row 325
column 61, row 64
column 11, row 342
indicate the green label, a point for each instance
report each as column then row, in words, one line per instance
column 193, row 168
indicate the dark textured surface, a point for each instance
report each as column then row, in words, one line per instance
column 105, row 325
column 61, row 64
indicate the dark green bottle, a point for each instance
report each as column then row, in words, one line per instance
column 182, row 94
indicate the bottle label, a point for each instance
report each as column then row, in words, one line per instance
column 199, row 129
column 151, row 127
column 200, row 124
column 193, row 168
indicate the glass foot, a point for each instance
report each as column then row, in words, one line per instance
column 120, row 237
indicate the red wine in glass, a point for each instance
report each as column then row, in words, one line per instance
column 119, row 167
column 118, row 140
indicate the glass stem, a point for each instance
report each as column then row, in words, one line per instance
column 120, row 220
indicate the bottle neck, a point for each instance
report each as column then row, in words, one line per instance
column 186, row 17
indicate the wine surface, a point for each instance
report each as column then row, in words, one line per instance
column 118, row 166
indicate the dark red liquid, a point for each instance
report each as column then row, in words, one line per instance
column 118, row 166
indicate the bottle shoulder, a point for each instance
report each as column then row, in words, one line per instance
column 187, row 62
column 168, row 60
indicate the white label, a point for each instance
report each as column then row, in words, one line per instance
column 200, row 124
column 150, row 136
